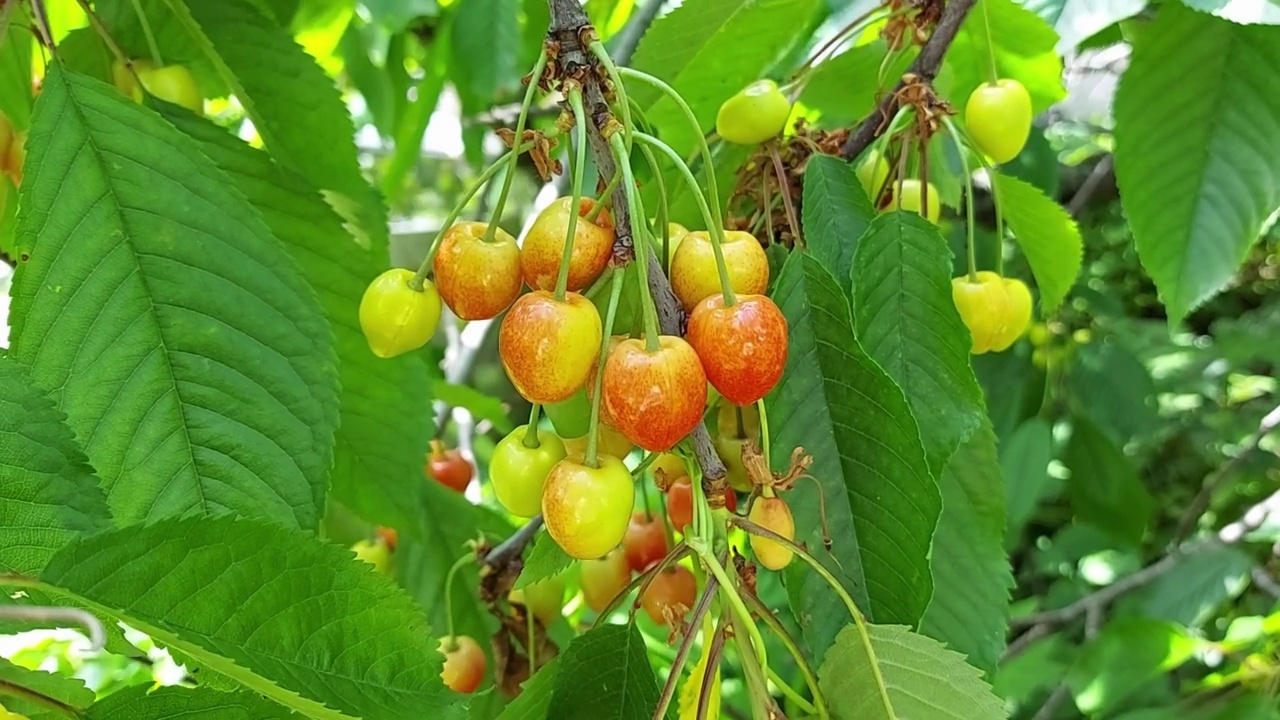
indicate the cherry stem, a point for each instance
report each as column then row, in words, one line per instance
column 758, row 691
column 579, row 165
column 663, row 219
column 531, row 432
column 146, row 31
column 448, row 590
column 593, row 432
column 597, row 48
column 644, row 500
column 784, row 188
column 968, row 200
column 740, row 425
column 730, row 592
column 532, row 640
column 804, row 554
column 991, row 52
column 645, row 462
column 995, row 191
column 682, row 654
column 802, row 75
column 730, row 299
column 709, row 672
column 819, row 706
column 509, row 179
column 765, row 442
column 606, row 198
column 643, row 246
column 678, row 551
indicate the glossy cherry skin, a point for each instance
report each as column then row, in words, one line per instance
column 611, row 442
column 998, row 118
column 743, row 348
column 983, row 306
column 545, row 599
column 872, row 173
column 603, row 578
column 395, row 318
column 693, row 267
column 758, row 112
column 477, row 279
column 675, row 588
column 449, row 468
column 680, row 504
column 730, row 451
column 517, row 473
column 907, row 196
column 549, row 347
column 374, row 552
column 463, row 663
column 645, row 542
column 172, row 83
column 654, row 398
column 772, row 513
column 586, row 509
column 1017, row 314
column 543, row 246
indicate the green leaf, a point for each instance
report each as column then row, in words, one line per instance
column 1078, row 20
column 837, row 213
column 891, row 673
column 1195, row 138
column 294, row 106
column 971, row 575
column 845, row 89
column 605, row 675
column 68, row 691
column 1113, row 388
column 1047, row 235
column 48, row 494
column 1104, row 487
column 882, row 505
column 165, row 320
column 481, row 406
column 1025, row 460
column 535, row 695
column 15, row 74
column 1245, row 12
column 1127, row 653
column 545, row 560
column 1191, row 591
column 908, row 323
column 165, row 703
column 267, row 606
column 708, row 50
column 1023, row 45
column 485, row 49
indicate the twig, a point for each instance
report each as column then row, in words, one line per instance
column 513, row 546
column 1090, row 186
column 1051, row 705
column 629, row 38
column 682, row 654
column 38, row 698
column 56, row 614
column 926, row 66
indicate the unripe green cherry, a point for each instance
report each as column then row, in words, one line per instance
column 872, row 173
column 517, row 473
column 757, row 113
column 998, row 118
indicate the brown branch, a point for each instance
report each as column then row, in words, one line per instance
column 926, row 65
column 513, row 546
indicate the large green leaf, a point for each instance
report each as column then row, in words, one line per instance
column 1077, row 20
column 845, row 89
column 299, row 621
column 485, row 48
column 605, row 675
column 68, row 691
column 168, row 703
column 546, row 559
column 1023, row 45
column 1240, row 11
column 1196, row 135
column 48, row 494
column 164, row 319
column 882, row 504
column 837, row 213
column 1191, row 591
column 1113, row 388
column 708, row 50
column 1047, row 235
column 535, row 695
column 891, row 673
column 1025, row 460
column 1104, row 487
column 1127, row 653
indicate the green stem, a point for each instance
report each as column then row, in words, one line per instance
column 640, row 242
column 735, row 600
column 593, row 433
column 991, row 53
column 605, row 199
column 624, row 105
column 962, row 149
column 802, row 75
column 795, row 697
column 810, row 678
column 663, row 209
column 531, row 432
column 533, row 639
column 764, row 434
column 790, row 544
column 678, row 551
column 509, row 180
column 579, row 164
column 757, row 690
column 995, row 190
column 146, row 31
column 448, row 587
column 645, row 462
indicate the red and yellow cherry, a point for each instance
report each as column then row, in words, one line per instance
column 396, row 318
column 654, row 397
column 549, row 347
column 389, row 537
column 463, row 663
column 603, row 578
column 476, row 278
column 743, row 348
column 907, row 195
column 983, row 306
column 758, row 112
column 543, row 246
column 998, row 117
column 680, row 503
column 872, row 173
column 673, row 591
column 518, row 472
column 729, row 449
column 586, row 509
column 645, row 542
column 694, row 276
column 610, row 442
column 1017, row 314
column 545, row 599
column 448, row 467
column 772, row 513
column 171, row 83
column 374, row 552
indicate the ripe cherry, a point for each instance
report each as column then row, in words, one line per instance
column 772, row 513
column 374, row 552
column 673, row 590
column 549, row 347
column 1017, row 314
column 983, row 306
column 477, row 279
column 463, row 663
column 172, row 83
column 655, row 398
column 518, row 472
column 545, row 598
column 998, row 118
column 586, row 509
column 756, row 113
column 645, row 542
column 396, row 318
column 611, row 442
column 603, row 578
column 906, row 195
column 680, row 504
column 544, row 246
column 448, row 467
column 743, row 348
column 693, row 266
column 872, row 173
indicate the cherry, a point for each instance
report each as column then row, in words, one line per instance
column 727, row 418
column 671, row 465
column 549, row 347
column 693, row 266
column 517, row 472
column 172, row 83
column 543, row 246
column 611, row 442
column 906, row 195
column 477, row 279
column 586, row 509
column 448, row 467
column 872, row 173
column 743, row 348
column 389, row 537
column 603, row 578
column 999, row 119
column 571, row 418
column 1017, row 314
column 463, row 663
column 545, row 599
column 772, row 513
column 645, row 542
column 395, row 318
column 983, row 307
column 680, row 503
column 374, row 552
column 730, row 451
column 674, row 589
column 756, row 113
column 675, row 235
column 654, row 398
